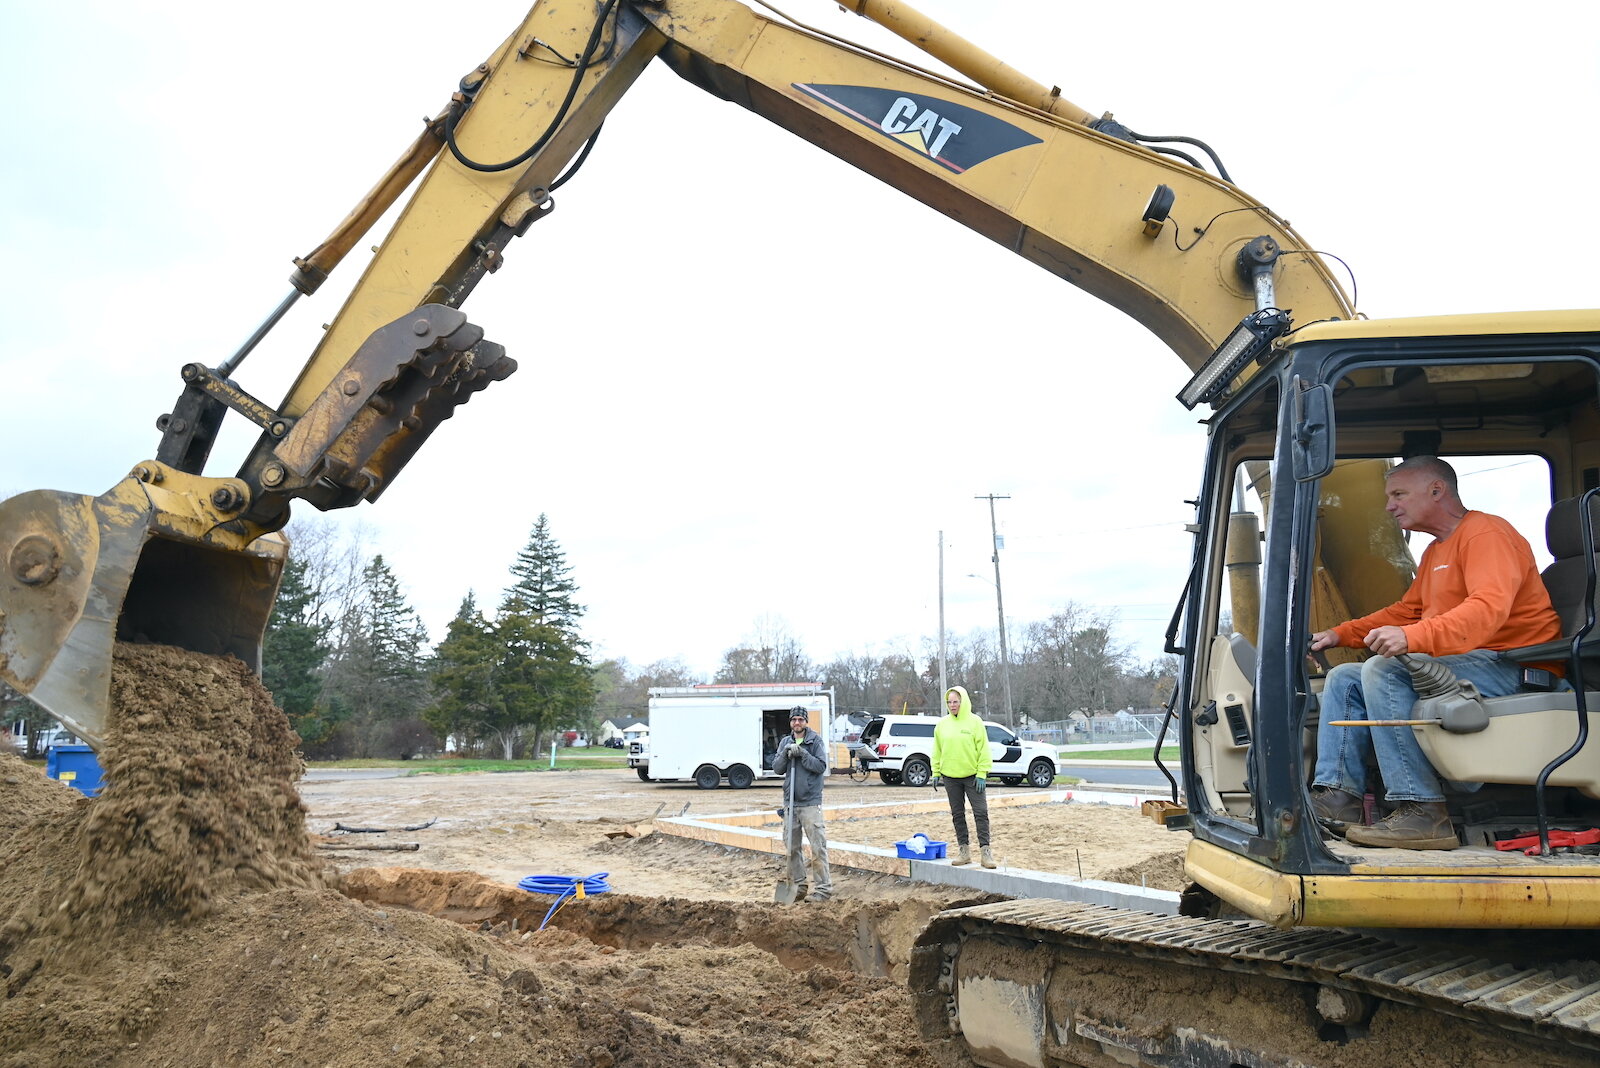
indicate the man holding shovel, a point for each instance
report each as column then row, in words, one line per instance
column 802, row 760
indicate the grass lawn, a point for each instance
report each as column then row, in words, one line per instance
column 1169, row 754
column 566, row 760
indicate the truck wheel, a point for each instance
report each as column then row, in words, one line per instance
column 889, row 778
column 740, row 777
column 707, row 777
column 916, row 772
column 644, row 774
column 1041, row 773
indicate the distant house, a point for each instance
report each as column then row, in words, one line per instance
column 622, row 730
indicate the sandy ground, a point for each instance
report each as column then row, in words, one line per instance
column 507, row 826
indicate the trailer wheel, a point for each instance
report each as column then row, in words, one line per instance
column 707, row 777
column 916, row 772
column 644, row 774
column 1041, row 773
column 740, row 777
column 890, row 778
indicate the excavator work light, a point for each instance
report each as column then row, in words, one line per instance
column 1250, row 340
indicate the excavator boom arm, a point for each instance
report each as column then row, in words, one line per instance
column 1009, row 159
column 1039, row 182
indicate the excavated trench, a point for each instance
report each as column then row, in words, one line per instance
column 867, row 938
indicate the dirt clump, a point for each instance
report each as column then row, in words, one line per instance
column 199, row 769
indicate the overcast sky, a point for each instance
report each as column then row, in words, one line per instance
column 754, row 382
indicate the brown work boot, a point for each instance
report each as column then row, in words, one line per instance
column 1335, row 809
column 1414, row 825
column 965, row 856
column 987, row 856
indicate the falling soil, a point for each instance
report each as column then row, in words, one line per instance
column 185, row 919
column 199, row 797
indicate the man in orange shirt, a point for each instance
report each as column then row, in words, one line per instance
column 1477, row 592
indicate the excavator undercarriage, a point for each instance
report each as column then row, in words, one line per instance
column 1047, row 983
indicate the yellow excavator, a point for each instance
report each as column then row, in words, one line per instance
column 1306, row 405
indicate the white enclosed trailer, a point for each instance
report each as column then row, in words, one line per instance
column 716, row 732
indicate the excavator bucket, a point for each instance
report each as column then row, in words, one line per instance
column 139, row 563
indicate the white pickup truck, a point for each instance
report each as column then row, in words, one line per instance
column 902, row 748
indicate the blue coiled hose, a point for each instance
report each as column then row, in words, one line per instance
column 564, row 887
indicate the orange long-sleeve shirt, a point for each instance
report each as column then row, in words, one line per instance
column 1477, row 588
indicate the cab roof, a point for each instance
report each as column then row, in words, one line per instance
column 1526, row 322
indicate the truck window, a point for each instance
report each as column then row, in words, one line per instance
column 912, row 730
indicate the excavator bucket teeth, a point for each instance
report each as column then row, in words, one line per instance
column 79, row 574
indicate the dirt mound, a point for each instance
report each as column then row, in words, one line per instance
column 301, row 977
column 37, row 858
column 1161, row 872
column 304, row 977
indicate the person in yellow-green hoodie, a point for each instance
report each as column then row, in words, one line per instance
column 961, row 759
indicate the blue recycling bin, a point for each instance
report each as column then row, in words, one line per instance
column 74, row 765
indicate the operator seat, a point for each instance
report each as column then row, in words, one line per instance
column 1567, row 580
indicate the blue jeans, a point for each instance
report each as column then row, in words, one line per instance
column 1380, row 688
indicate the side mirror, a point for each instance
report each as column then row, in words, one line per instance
column 1313, row 431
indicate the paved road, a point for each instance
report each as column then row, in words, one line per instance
column 1135, row 774
column 347, row 774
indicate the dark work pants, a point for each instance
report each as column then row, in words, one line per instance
column 961, row 792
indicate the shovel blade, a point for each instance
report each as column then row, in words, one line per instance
column 784, row 893
column 79, row 574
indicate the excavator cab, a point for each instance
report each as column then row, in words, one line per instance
column 1510, row 390
column 1069, row 982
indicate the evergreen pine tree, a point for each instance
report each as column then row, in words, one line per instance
column 378, row 670
column 467, row 704
column 293, row 652
column 543, row 677
column 544, row 589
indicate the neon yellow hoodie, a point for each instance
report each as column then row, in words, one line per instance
column 961, row 741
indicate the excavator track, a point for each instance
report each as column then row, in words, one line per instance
column 1044, row 983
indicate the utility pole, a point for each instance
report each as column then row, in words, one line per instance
column 1000, row 605
column 943, row 685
